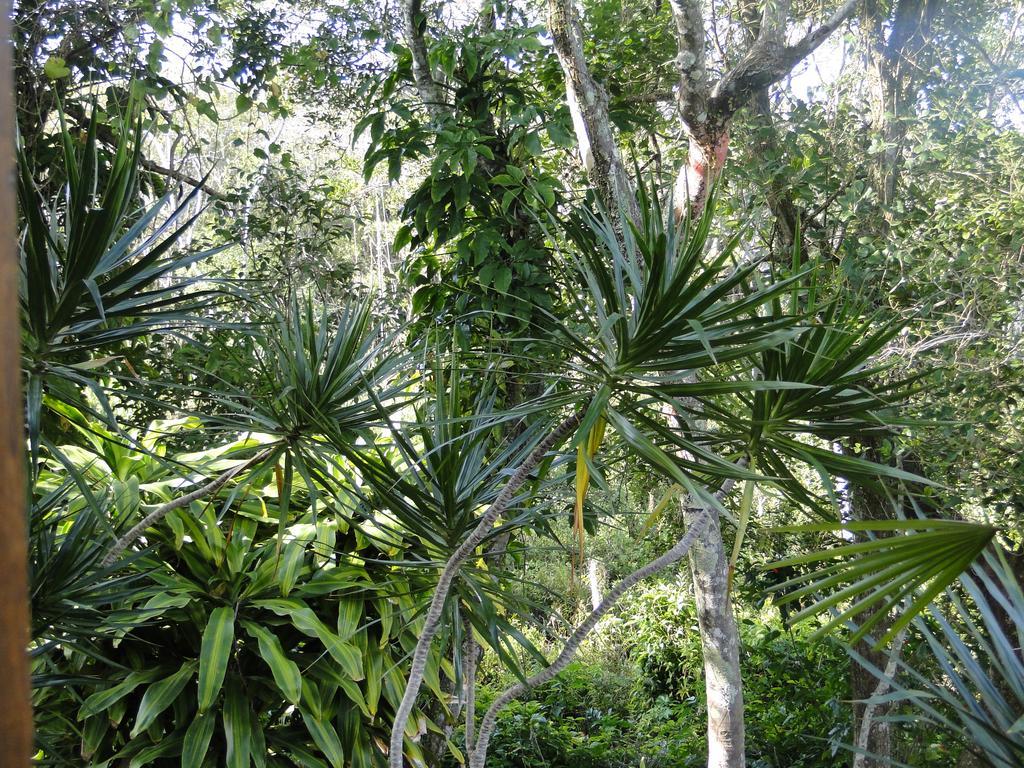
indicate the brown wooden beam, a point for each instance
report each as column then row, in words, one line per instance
column 15, row 706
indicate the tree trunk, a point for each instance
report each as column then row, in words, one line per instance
column 876, row 737
column 595, row 578
column 891, row 40
column 720, row 642
column 15, row 706
column 706, row 114
column 777, row 193
column 588, row 105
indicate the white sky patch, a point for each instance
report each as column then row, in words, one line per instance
column 819, row 71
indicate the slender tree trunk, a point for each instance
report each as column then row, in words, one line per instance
column 414, row 23
column 699, row 518
column 15, row 706
column 870, row 727
column 720, row 642
column 891, row 34
column 596, row 579
column 873, row 737
column 777, row 192
column 588, row 106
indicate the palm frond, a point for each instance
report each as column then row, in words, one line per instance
column 975, row 636
column 870, row 578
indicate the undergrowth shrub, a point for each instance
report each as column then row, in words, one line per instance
column 635, row 696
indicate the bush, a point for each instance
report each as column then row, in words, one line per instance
column 577, row 720
column 650, row 711
column 794, row 689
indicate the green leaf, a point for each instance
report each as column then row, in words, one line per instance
column 881, row 573
column 93, row 733
column 197, row 740
column 213, row 658
column 350, row 616
column 103, row 699
column 285, row 671
column 56, row 68
column 307, row 622
column 346, row 654
column 161, row 695
column 237, row 726
column 503, row 279
column 559, row 135
column 326, row 738
column 291, row 564
column 149, row 755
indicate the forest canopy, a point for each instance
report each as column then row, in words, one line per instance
column 523, row 383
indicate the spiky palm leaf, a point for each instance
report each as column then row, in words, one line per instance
column 975, row 635
column 873, row 577
column 96, row 270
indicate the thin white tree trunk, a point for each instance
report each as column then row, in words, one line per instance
column 596, row 578
column 869, row 729
column 707, row 112
column 720, row 643
column 700, row 516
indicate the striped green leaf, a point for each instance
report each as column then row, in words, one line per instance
column 237, row 726
column 149, row 755
column 285, row 671
column 304, row 758
column 197, row 741
column 291, row 565
column 307, row 622
column 213, row 658
column 350, row 616
column 346, row 654
column 101, row 700
column 374, row 678
column 160, row 695
column 326, row 738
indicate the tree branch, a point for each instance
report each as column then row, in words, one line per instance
column 171, row 173
column 766, row 63
column 432, row 621
column 106, row 135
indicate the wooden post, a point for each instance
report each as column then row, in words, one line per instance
column 15, row 706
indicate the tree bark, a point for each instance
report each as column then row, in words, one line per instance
column 870, row 727
column 588, row 105
column 720, row 643
column 700, row 516
column 430, row 91
column 15, row 706
column 595, row 579
column 891, row 41
column 777, row 194
column 432, row 620
column 872, row 736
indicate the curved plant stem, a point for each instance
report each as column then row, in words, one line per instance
column 162, row 511
column 433, row 618
column 572, row 645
